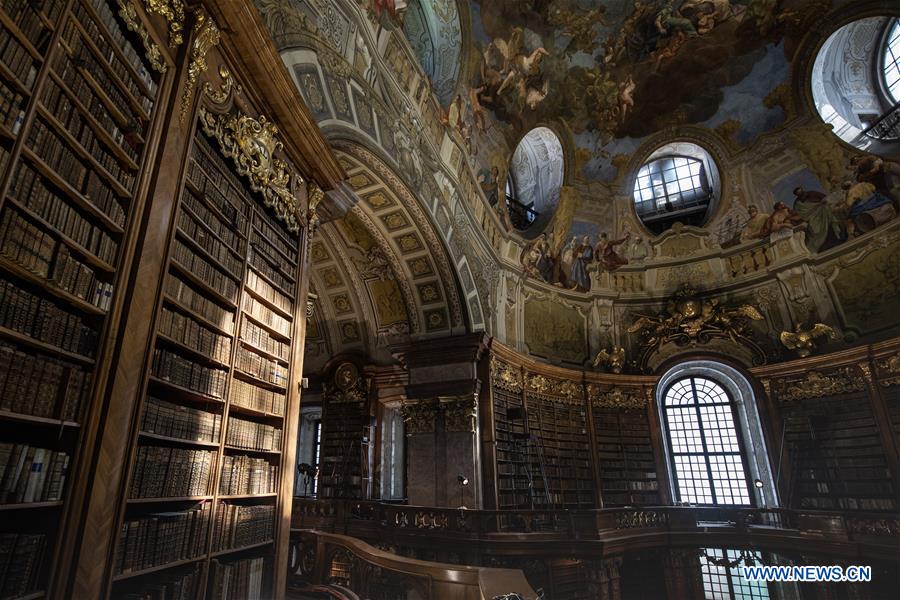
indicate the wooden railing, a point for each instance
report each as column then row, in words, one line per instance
column 865, row 534
column 319, row 558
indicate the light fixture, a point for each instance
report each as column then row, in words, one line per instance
column 758, row 483
column 463, row 482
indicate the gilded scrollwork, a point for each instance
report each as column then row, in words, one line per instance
column 617, row 397
column 206, row 35
column 419, row 417
column 460, row 414
column 173, row 12
column 505, row 376
column 818, row 385
column 888, row 370
column 564, row 389
column 252, row 144
column 229, row 86
column 128, row 14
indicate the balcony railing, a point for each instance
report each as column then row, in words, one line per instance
column 887, row 127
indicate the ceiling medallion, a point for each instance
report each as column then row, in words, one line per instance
column 252, row 144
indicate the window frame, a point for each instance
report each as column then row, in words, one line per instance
column 705, row 191
column 731, row 575
column 881, row 62
column 739, row 436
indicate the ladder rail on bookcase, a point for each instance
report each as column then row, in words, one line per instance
column 43, row 55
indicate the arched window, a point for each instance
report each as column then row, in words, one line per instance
column 678, row 182
column 890, row 65
column 536, row 174
column 704, row 444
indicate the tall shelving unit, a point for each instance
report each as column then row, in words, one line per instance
column 625, row 453
column 78, row 102
column 203, row 491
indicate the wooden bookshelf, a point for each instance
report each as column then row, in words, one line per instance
column 68, row 215
column 624, row 451
column 340, row 462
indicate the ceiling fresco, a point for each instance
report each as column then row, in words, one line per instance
column 616, row 72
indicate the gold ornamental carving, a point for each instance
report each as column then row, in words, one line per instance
column 617, row 397
column 128, row 14
column 173, row 12
column 252, row 144
column 206, row 35
column 346, row 385
column 460, row 414
column 803, row 340
column 506, row 376
column 229, row 85
column 889, row 370
column 419, row 417
column 565, row 390
column 817, row 385
column 612, row 359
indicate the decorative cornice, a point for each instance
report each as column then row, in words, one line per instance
column 888, row 370
column 817, row 385
column 564, row 389
column 252, row 144
column 506, row 377
column 419, row 417
column 618, row 397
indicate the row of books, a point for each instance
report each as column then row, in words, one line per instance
column 192, row 228
column 183, row 294
column 205, row 271
column 266, row 315
column 261, row 264
column 225, row 183
column 26, row 15
column 31, row 474
column 238, row 525
column 230, row 203
column 111, row 24
column 20, row 560
column 260, row 338
column 264, row 290
column 242, row 474
column 163, row 472
column 252, row 435
column 161, row 538
column 87, row 101
column 11, row 113
column 270, row 235
column 167, row 586
column 34, row 384
column 176, row 369
column 56, row 154
column 88, row 62
column 29, row 189
column 251, row 396
column 260, row 367
column 17, row 59
column 244, row 579
column 213, row 222
column 42, row 320
column 182, row 422
column 81, row 281
column 188, row 332
column 117, row 65
column 82, row 131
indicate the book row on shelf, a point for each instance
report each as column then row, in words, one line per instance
column 40, row 386
column 260, row 367
column 262, row 264
column 188, row 332
column 238, row 525
column 207, row 272
column 163, row 472
column 267, row 236
column 184, row 295
column 31, row 474
column 211, row 220
column 224, row 198
column 11, row 113
column 30, row 191
column 243, row 578
column 191, row 227
column 38, row 252
column 266, row 315
column 166, row 586
column 173, row 420
column 250, row 396
column 20, row 560
column 28, row 18
column 42, row 320
column 160, row 538
column 246, row 475
column 176, row 369
column 260, row 338
column 17, row 59
column 253, row 436
column 262, row 288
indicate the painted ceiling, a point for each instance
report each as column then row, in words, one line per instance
column 614, row 73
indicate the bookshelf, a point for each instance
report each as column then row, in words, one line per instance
column 343, row 428
column 202, row 500
column 625, row 455
column 510, row 427
column 77, row 103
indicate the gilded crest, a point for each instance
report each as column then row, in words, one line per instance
column 505, row 376
column 817, row 385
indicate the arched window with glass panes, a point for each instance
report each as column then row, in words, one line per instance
column 705, row 447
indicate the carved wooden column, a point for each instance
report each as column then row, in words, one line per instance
column 441, row 417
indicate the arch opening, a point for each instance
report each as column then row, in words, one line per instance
column 536, row 174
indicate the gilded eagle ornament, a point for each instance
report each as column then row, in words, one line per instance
column 612, row 359
column 803, row 340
